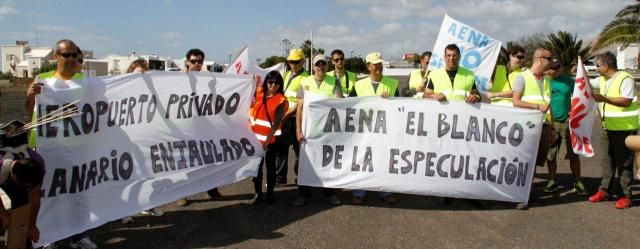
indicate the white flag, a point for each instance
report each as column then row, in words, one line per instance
column 582, row 113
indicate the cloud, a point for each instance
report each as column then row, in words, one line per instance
column 6, row 10
column 52, row 28
column 172, row 36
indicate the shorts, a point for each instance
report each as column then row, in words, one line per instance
column 554, row 149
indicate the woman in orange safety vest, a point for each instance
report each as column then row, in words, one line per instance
column 266, row 114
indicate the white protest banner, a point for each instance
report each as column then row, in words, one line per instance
column 141, row 140
column 478, row 51
column 416, row 146
column 582, row 113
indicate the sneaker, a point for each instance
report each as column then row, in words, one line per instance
column 551, row 187
column 578, row 187
column 623, row 202
column 126, row 220
column 84, row 243
column 257, row 199
column 152, row 212
column 300, row 201
column 522, row 206
column 214, row 194
column 389, row 199
column 599, row 196
column 357, row 200
column 182, row 202
column 333, row 200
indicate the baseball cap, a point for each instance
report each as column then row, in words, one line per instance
column 374, row 58
column 295, row 54
column 319, row 57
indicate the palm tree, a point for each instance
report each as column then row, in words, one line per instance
column 566, row 47
column 622, row 30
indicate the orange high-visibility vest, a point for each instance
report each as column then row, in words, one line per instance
column 260, row 123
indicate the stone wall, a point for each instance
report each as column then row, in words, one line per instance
column 12, row 101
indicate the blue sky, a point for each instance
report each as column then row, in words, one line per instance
column 170, row 28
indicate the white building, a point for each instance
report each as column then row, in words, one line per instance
column 117, row 64
column 23, row 60
column 628, row 57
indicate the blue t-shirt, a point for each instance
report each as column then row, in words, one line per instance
column 561, row 91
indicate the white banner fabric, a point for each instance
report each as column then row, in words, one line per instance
column 582, row 113
column 142, row 140
column 416, row 146
column 478, row 51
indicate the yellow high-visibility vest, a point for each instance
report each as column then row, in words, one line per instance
column 364, row 87
column 616, row 118
column 461, row 87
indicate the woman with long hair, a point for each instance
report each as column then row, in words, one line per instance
column 266, row 114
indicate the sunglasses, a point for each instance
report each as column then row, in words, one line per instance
column 295, row 62
column 338, row 59
column 272, row 82
column 196, row 61
column 321, row 64
column 67, row 55
column 549, row 58
column 520, row 57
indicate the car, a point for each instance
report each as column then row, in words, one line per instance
column 590, row 66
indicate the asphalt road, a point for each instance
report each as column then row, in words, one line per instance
column 564, row 220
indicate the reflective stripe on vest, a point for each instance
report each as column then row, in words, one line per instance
column 259, row 119
column 346, row 90
column 291, row 88
column 364, row 87
column 532, row 92
column 327, row 86
column 501, row 84
column 461, row 87
column 616, row 118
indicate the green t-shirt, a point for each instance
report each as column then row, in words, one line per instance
column 561, row 91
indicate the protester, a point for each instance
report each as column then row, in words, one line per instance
column 21, row 173
column 194, row 62
column 321, row 84
column 531, row 90
column 500, row 92
column 374, row 85
column 418, row 78
column 619, row 112
column 292, row 79
column 345, row 78
column 68, row 57
column 266, row 115
column 561, row 91
column 516, row 62
column 454, row 83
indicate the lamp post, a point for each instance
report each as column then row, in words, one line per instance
column 351, row 55
column 230, row 54
column 86, row 63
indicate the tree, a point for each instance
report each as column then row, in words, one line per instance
column 272, row 60
column 287, row 45
column 622, row 30
column 356, row 65
column 530, row 44
column 306, row 48
column 566, row 47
